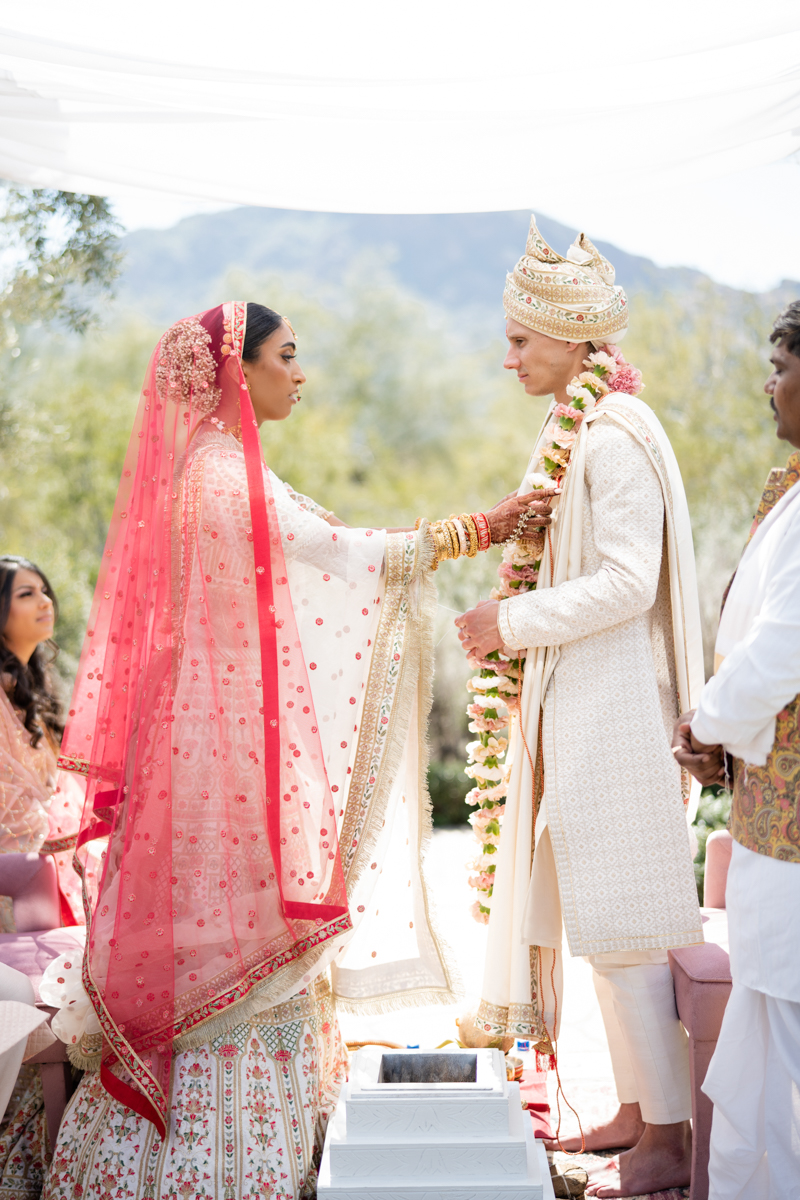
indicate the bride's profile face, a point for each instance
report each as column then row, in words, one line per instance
column 275, row 377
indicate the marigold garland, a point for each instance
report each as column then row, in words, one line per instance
column 497, row 685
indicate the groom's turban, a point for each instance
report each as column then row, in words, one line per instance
column 572, row 299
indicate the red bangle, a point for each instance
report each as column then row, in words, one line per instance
column 484, row 531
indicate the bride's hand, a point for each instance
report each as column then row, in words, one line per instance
column 504, row 517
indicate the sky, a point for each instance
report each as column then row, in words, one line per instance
column 732, row 210
column 742, row 229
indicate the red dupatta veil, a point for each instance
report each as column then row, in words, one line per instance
column 193, row 722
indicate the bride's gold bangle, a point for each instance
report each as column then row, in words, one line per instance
column 446, row 541
column 472, row 533
column 441, row 541
column 452, row 533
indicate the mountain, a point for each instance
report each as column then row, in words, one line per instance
column 455, row 261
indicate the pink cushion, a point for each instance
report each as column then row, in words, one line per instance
column 702, row 977
column 32, row 883
column 31, row 953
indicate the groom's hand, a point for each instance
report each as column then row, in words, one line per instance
column 478, row 630
column 504, row 517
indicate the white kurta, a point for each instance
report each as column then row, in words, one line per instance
column 759, row 641
column 754, row 1076
column 612, row 800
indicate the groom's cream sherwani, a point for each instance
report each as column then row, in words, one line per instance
column 594, row 828
column 613, row 812
column 597, row 835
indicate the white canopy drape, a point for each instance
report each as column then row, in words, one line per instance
column 393, row 107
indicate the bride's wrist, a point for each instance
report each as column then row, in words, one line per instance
column 458, row 535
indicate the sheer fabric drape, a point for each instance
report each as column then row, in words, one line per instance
column 247, row 683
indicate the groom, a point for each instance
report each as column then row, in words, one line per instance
column 596, row 800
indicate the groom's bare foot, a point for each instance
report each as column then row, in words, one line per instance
column 623, row 1130
column 661, row 1159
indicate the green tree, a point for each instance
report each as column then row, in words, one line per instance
column 60, row 258
column 61, row 255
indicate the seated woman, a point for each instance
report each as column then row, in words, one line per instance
column 40, row 806
column 249, row 715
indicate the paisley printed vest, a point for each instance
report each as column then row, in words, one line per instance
column 765, row 815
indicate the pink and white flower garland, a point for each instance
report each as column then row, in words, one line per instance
column 497, row 685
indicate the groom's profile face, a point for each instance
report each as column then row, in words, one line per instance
column 540, row 361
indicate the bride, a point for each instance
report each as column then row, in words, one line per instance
column 249, row 715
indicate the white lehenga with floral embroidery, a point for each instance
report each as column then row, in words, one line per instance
column 248, row 1112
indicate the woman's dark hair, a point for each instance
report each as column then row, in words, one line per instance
column 261, row 324
column 29, row 686
column 787, row 326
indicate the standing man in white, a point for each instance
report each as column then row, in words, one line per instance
column 594, row 830
column 750, row 709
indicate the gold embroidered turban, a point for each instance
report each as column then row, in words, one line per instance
column 572, row 299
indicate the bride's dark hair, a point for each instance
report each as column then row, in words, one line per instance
column 29, row 686
column 261, row 324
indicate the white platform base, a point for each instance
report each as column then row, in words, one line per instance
column 431, row 1125
column 405, row 1157
column 429, row 1184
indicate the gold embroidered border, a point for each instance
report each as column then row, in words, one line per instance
column 69, row 762
column 57, row 845
column 560, row 322
column 226, row 1001
column 379, row 713
column 120, row 1046
column 550, row 286
column 238, row 325
column 498, row 1021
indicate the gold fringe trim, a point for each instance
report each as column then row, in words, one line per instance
column 81, row 1060
column 378, row 1006
column 427, row 558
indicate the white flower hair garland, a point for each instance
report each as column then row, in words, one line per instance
column 497, row 685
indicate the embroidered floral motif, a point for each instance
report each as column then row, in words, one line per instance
column 247, row 1118
column 234, row 323
column 24, row 1152
column 779, row 480
column 765, row 815
column 68, row 762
